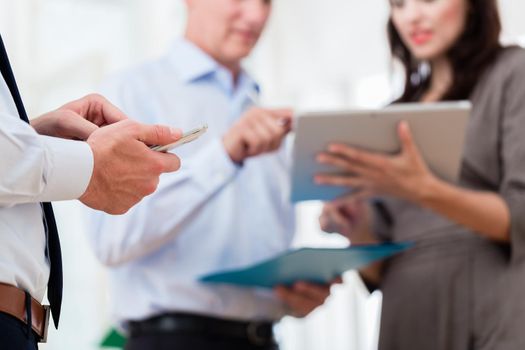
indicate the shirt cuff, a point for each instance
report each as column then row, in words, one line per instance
column 70, row 169
column 516, row 205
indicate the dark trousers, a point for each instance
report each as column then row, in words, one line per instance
column 184, row 341
column 15, row 335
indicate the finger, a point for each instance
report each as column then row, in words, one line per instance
column 284, row 118
column 102, row 111
column 317, row 293
column 337, row 280
column 339, row 218
column 325, row 224
column 342, row 181
column 340, row 223
column 110, row 113
column 272, row 124
column 156, row 134
column 155, row 162
column 328, row 224
column 405, row 136
column 265, row 133
column 345, row 164
column 96, row 109
column 408, row 145
column 300, row 305
column 277, row 132
column 333, row 160
column 284, row 294
column 329, row 206
column 253, row 141
column 368, row 159
column 170, row 162
column 325, row 217
column 283, row 113
column 78, row 128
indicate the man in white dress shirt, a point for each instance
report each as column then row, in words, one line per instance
column 231, row 207
column 36, row 168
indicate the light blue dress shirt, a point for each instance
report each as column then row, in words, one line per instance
column 210, row 216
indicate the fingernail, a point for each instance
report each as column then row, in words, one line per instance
column 175, row 132
column 333, row 148
column 282, row 122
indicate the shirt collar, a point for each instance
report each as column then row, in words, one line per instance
column 192, row 64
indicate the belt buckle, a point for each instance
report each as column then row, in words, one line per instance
column 47, row 316
column 253, row 335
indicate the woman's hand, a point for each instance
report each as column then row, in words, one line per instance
column 404, row 175
column 350, row 217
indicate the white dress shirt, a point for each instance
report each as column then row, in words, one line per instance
column 210, row 216
column 33, row 169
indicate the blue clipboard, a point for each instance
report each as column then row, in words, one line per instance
column 315, row 265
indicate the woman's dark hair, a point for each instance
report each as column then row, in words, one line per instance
column 475, row 49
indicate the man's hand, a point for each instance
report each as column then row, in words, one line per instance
column 126, row 169
column 258, row 131
column 303, row 298
column 78, row 119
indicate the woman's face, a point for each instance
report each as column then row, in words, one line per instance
column 429, row 28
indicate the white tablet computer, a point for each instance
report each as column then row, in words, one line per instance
column 438, row 129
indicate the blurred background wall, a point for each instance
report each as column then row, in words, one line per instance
column 315, row 54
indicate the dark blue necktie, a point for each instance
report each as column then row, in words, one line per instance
column 54, row 288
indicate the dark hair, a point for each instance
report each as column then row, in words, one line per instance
column 475, row 49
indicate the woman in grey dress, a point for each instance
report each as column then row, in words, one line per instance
column 463, row 284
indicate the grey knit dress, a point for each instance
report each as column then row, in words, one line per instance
column 456, row 290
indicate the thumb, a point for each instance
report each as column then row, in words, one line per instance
column 405, row 137
column 158, row 134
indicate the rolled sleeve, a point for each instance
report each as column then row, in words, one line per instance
column 69, row 169
column 512, row 187
column 516, row 204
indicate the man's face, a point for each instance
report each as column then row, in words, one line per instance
column 227, row 29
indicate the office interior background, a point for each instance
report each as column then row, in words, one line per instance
column 315, row 54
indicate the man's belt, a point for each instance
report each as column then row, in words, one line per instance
column 257, row 333
column 13, row 302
